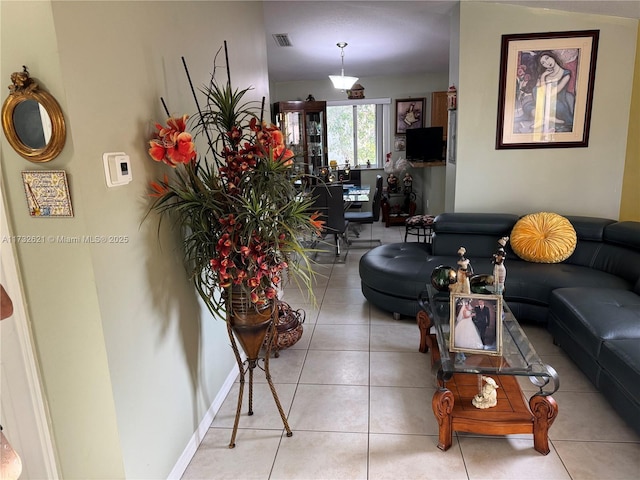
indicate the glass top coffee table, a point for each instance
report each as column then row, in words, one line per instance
column 460, row 378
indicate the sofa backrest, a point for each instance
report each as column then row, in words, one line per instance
column 590, row 233
column 603, row 244
column 477, row 232
column 620, row 253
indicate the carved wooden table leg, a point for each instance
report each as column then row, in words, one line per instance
column 545, row 411
column 442, row 404
column 424, row 323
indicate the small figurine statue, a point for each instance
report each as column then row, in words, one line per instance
column 465, row 271
column 499, row 270
column 488, row 397
column 392, row 182
column 407, row 181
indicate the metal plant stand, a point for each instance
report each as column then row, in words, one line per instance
column 248, row 366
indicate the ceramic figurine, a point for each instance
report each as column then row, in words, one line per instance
column 488, row 397
column 465, row 272
column 407, row 181
column 392, row 182
column 499, row 270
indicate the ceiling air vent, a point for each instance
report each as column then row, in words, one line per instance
column 282, row 39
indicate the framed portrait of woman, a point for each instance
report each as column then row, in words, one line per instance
column 475, row 323
column 545, row 91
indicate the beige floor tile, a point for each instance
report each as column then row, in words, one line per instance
column 293, row 296
column 344, row 296
column 596, row 460
column 571, row 378
column 336, row 368
column 305, row 339
column 509, row 458
column 401, row 369
column 585, row 416
column 344, row 279
column 284, row 369
column 251, row 458
column 265, row 413
column 402, row 410
column 414, row 457
column 336, row 313
column 382, row 317
column 340, row 337
column 541, row 339
column 321, row 456
column 403, row 336
column 330, row 408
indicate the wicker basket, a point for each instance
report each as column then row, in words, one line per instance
column 289, row 326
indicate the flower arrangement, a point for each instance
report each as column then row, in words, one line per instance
column 243, row 219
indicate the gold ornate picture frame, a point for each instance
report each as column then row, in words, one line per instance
column 475, row 323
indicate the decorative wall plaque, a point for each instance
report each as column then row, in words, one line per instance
column 47, row 193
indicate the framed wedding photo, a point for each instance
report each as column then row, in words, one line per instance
column 476, row 324
column 409, row 114
column 545, row 90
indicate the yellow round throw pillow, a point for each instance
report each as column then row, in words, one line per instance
column 543, row 238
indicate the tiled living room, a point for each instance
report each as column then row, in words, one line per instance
column 357, row 394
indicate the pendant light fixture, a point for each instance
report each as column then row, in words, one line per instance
column 340, row 81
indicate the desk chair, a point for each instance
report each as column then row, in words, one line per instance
column 361, row 218
column 327, row 199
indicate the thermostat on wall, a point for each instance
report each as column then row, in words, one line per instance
column 117, row 168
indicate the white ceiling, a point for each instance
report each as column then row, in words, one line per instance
column 384, row 37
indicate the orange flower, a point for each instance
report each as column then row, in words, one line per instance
column 317, row 224
column 160, row 189
column 172, row 144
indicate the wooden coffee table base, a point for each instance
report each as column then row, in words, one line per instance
column 513, row 413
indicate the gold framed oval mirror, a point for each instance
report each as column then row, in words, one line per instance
column 32, row 120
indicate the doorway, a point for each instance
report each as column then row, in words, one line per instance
column 23, row 414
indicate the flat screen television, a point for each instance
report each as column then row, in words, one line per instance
column 425, row 144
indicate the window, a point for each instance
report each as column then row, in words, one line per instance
column 356, row 131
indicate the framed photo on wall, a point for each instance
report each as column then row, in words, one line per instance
column 545, row 91
column 476, row 323
column 409, row 114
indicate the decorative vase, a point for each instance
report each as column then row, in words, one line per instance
column 442, row 276
column 481, row 283
column 250, row 323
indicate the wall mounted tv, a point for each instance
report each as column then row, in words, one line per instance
column 425, row 144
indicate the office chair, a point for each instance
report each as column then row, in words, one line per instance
column 361, row 218
column 328, row 200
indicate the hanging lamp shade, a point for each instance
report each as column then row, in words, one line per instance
column 341, row 81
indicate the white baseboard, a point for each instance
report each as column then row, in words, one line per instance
column 191, row 448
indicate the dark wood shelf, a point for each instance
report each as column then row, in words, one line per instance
column 427, row 164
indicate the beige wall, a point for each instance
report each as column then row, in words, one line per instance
column 630, row 204
column 130, row 362
column 577, row 181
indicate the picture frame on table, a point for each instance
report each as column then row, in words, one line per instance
column 409, row 114
column 545, row 91
column 475, row 323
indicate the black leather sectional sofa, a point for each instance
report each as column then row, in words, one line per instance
column 590, row 302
